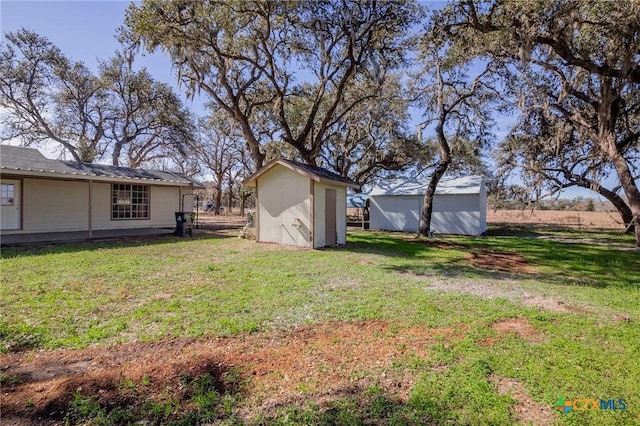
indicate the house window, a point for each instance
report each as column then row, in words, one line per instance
column 7, row 191
column 130, row 202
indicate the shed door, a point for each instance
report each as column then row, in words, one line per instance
column 10, row 204
column 330, row 228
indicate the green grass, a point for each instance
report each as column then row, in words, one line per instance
column 103, row 293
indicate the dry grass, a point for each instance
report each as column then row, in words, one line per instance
column 573, row 219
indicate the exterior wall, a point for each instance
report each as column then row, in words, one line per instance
column 452, row 214
column 319, row 214
column 62, row 205
column 483, row 208
column 54, row 205
column 284, row 208
column 393, row 213
column 164, row 202
column 456, row 214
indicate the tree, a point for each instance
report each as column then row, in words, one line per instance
column 119, row 113
column 585, row 59
column 457, row 98
column 144, row 118
column 550, row 155
column 47, row 97
column 244, row 56
column 220, row 151
column 372, row 137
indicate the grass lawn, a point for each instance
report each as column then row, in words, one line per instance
column 488, row 330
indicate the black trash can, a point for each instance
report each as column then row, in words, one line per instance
column 183, row 224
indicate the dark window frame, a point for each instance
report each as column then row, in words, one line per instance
column 130, row 202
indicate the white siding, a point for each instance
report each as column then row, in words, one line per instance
column 395, row 213
column 319, row 213
column 60, row 205
column 55, row 205
column 284, row 207
column 164, row 202
column 452, row 214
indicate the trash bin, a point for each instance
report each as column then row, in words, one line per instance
column 183, row 224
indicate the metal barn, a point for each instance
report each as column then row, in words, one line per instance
column 300, row 205
column 459, row 206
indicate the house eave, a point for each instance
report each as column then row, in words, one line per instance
column 93, row 177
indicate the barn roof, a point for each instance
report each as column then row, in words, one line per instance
column 447, row 185
column 316, row 173
column 29, row 161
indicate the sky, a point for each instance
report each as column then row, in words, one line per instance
column 87, row 31
column 84, row 31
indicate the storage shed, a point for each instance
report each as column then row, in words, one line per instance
column 300, row 205
column 459, row 206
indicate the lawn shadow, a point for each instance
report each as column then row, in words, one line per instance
column 35, row 249
column 506, row 256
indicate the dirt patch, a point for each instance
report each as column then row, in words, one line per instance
column 500, row 261
column 304, row 363
column 550, row 304
column 526, row 409
column 518, row 326
column 439, row 244
column 486, row 259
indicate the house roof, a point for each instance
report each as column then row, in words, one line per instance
column 30, row 162
column 318, row 174
column 446, row 186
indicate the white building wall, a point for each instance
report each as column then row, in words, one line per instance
column 61, row 205
column 319, row 214
column 456, row 214
column 164, row 202
column 55, row 205
column 284, row 208
column 395, row 213
column 452, row 214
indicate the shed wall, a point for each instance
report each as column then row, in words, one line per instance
column 319, row 214
column 284, row 208
column 395, row 213
column 452, row 213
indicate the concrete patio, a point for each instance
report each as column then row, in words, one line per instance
column 54, row 237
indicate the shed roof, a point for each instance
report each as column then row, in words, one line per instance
column 29, row 161
column 447, row 185
column 316, row 173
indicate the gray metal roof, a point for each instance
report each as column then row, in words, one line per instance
column 447, row 185
column 20, row 160
column 314, row 172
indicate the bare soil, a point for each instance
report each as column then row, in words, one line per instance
column 527, row 410
column 571, row 219
column 309, row 363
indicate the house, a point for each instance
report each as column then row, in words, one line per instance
column 40, row 196
column 300, row 205
column 459, row 206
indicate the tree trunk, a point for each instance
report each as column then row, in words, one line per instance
column 441, row 168
column 626, row 181
column 427, row 206
column 216, row 209
column 631, row 191
column 618, row 202
column 230, row 203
